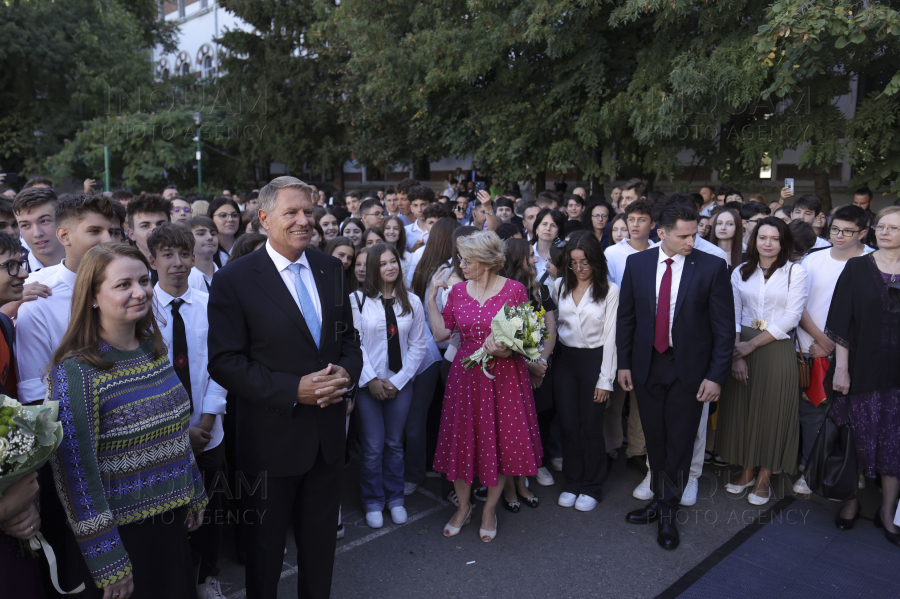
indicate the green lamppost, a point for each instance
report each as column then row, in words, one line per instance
column 197, row 139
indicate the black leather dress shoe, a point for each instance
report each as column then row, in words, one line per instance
column 667, row 537
column 846, row 523
column 638, row 462
column 646, row 515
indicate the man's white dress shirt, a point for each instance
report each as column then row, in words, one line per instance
column 282, row 265
column 198, row 280
column 207, row 396
column 677, row 269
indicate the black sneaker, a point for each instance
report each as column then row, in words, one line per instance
column 480, row 493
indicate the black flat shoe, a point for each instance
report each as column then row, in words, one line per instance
column 646, row 515
column 667, row 537
column 531, row 502
column 638, row 462
column 893, row 537
column 846, row 523
column 480, row 493
column 511, row 506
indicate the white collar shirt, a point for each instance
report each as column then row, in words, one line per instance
column 590, row 324
column 371, row 324
column 779, row 301
column 40, row 327
column 616, row 255
column 704, row 246
column 677, row 270
column 200, row 281
column 39, row 276
column 282, row 265
column 207, row 396
column 34, row 265
column 413, row 233
column 821, row 243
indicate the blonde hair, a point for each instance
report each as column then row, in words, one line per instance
column 758, row 197
column 199, row 208
column 886, row 211
column 82, row 338
column 484, row 247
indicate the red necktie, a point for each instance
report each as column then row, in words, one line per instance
column 661, row 336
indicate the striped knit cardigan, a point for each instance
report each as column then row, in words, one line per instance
column 125, row 455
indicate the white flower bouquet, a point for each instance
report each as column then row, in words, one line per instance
column 28, row 437
column 520, row 328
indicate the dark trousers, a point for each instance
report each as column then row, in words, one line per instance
column 160, row 559
column 206, row 541
column 581, row 420
column 670, row 414
column 308, row 502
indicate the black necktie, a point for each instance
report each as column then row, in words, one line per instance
column 395, row 362
column 180, row 350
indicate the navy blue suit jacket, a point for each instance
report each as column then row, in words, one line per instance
column 703, row 330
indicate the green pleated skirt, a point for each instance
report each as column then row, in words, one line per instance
column 759, row 423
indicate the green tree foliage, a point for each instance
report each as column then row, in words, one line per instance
column 287, row 74
column 62, row 61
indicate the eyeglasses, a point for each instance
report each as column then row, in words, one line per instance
column 843, row 232
column 228, row 215
column 600, row 216
column 462, row 261
column 579, row 266
column 188, row 209
column 14, row 266
column 893, row 230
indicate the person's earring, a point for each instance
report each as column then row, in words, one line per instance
column 95, row 305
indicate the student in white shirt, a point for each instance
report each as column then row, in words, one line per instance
column 419, row 197
column 185, row 329
column 392, row 353
column 823, row 268
column 585, row 368
column 403, row 188
column 433, row 213
column 82, row 224
column 226, row 213
column 639, row 217
column 394, row 231
column 758, row 424
column 723, row 233
column 206, row 243
column 807, row 208
column 548, row 226
column 35, row 210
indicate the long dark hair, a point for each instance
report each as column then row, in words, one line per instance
column 588, row 221
column 593, row 252
column 374, row 284
column 557, row 217
column 438, row 250
column 401, row 240
column 339, row 241
column 373, row 231
column 784, row 237
column 518, row 252
column 454, row 252
column 221, row 201
column 82, row 338
column 736, row 241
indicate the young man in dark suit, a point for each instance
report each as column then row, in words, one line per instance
column 675, row 337
column 281, row 338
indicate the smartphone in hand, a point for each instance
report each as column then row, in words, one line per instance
column 789, row 184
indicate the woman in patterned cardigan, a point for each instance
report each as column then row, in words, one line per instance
column 125, row 473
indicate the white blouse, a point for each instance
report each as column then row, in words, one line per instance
column 590, row 324
column 372, row 328
column 772, row 301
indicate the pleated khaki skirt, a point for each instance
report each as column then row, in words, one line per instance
column 758, row 423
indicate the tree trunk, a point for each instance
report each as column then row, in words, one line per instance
column 422, row 171
column 822, row 187
column 337, row 176
column 540, row 181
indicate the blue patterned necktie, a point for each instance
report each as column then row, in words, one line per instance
column 307, row 305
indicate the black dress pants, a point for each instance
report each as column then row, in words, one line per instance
column 206, row 541
column 581, row 420
column 309, row 502
column 670, row 415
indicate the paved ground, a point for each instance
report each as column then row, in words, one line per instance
column 545, row 552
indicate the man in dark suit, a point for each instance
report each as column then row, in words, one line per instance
column 675, row 336
column 281, row 339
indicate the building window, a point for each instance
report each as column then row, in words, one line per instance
column 165, row 74
column 186, row 69
column 207, row 66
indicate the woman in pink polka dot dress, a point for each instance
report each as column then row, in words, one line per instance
column 489, row 427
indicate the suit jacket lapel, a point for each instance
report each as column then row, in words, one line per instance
column 270, row 281
column 653, row 255
column 686, row 273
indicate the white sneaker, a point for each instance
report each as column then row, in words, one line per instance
column 556, row 463
column 801, row 488
column 544, row 478
column 642, row 491
column 410, row 488
column 340, row 531
column 398, row 514
column 689, row 497
column 585, row 503
column 210, row 589
column 375, row 519
column 566, row 500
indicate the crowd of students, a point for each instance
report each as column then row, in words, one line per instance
column 140, row 269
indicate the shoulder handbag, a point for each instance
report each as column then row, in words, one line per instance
column 832, row 469
column 802, row 363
